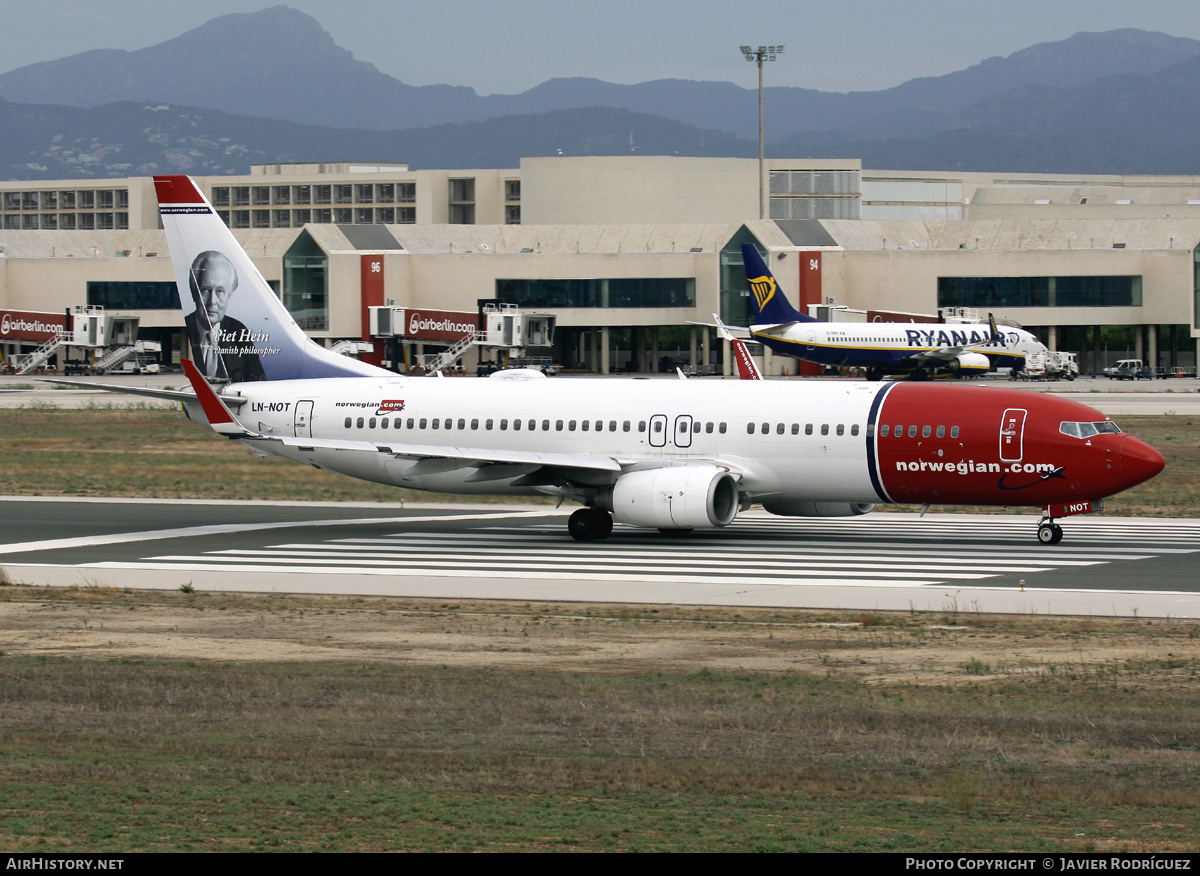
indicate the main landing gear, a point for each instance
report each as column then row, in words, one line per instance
column 590, row 524
column 1049, row 532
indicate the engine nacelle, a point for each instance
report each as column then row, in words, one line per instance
column 818, row 509
column 970, row 363
column 677, row 497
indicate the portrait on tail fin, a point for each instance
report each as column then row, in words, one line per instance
column 220, row 343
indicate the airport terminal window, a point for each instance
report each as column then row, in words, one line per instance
column 1104, row 291
column 614, row 292
column 407, row 193
column 305, row 278
column 130, row 295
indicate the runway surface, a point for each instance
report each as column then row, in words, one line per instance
column 888, row 561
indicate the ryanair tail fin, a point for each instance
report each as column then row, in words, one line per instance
column 238, row 328
column 770, row 305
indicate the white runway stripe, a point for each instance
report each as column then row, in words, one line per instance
column 756, row 551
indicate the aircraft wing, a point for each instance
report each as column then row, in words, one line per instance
column 943, row 354
column 148, row 391
column 466, row 455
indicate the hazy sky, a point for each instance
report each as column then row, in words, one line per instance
column 846, row 45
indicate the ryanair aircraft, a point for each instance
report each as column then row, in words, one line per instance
column 917, row 349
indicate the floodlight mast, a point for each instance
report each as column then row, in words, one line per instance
column 762, row 53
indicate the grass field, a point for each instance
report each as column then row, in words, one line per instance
column 155, row 453
column 1078, row 736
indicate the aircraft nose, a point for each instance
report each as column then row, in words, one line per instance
column 1139, row 462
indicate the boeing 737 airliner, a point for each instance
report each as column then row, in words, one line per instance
column 880, row 348
column 673, row 455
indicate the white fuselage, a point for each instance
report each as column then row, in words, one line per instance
column 814, row 447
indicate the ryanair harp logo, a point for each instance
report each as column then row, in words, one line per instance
column 763, row 288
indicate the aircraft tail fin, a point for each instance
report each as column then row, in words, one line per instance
column 238, row 328
column 770, row 305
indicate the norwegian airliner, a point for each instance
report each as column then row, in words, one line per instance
column 673, row 455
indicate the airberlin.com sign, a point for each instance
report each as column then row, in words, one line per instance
column 30, row 325
column 439, row 325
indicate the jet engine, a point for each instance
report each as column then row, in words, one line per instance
column 968, row 362
column 676, row 497
column 818, row 509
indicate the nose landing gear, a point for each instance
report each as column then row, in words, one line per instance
column 1049, row 532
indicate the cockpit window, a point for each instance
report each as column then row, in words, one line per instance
column 1087, row 430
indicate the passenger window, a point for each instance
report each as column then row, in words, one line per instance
column 398, row 423
column 383, row 424
column 462, row 424
column 658, row 426
column 516, row 425
column 424, row 423
column 641, row 425
column 558, row 425
column 583, row 426
column 841, row 429
column 436, row 423
column 824, row 428
column 696, row 427
column 371, row 423
column 954, row 431
column 682, row 427
column 780, row 429
column 912, row 431
column 721, row 429
column 612, row 426
column 766, row 427
column 349, row 422
column 808, row 429
column 474, row 425
column 359, row 423
column 625, row 427
column 531, row 425
column 795, row 428
column 708, row 427
column 883, row 431
column 504, row 425
column 924, row 431
column 410, row 423
column 941, row 431
column 749, row 428
column 488, row 425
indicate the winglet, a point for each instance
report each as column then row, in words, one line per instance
column 746, row 366
column 992, row 325
column 218, row 415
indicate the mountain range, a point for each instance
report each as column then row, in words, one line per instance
column 273, row 86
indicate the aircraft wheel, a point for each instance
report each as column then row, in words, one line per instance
column 1049, row 533
column 874, row 374
column 589, row 524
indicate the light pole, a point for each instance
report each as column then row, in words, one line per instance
column 762, row 53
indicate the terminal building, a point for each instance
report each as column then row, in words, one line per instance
column 627, row 253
